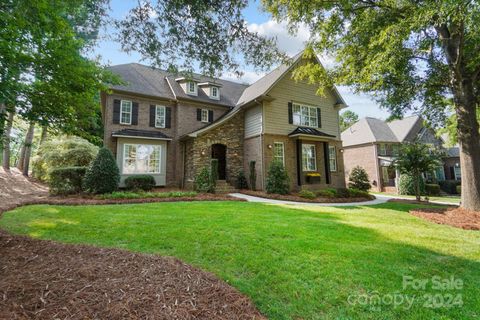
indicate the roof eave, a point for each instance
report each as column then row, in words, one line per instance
column 139, row 137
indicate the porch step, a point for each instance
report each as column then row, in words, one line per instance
column 224, row 187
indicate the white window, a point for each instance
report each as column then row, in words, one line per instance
column 457, row 172
column 126, row 112
column 304, row 115
column 141, row 158
column 332, row 157
column 214, row 92
column 383, row 149
column 309, row 157
column 191, row 88
column 279, row 152
column 160, row 116
column 204, row 115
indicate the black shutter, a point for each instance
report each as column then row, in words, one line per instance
column 134, row 113
column 116, row 111
column 326, row 151
column 152, row 115
column 199, row 114
column 319, row 117
column 168, row 117
column 210, row 115
column 290, row 113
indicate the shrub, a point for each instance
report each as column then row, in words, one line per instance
column 343, row 193
column 62, row 152
column 277, row 179
column 252, row 175
column 66, row 180
column 203, row 181
column 406, row 185
column 459, row 189
column 327, row 193
column 432, row 189
column 359, row 179
column 307, row 194
column 102, row 175
column 449, row 186
column 142, row 195
column 354, row 193
column 141, row 182
column 241, row 182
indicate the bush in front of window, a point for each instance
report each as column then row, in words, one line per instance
column 67, row 180
column 307, row 194
column 449, row 186
column 432, row 189
column 327, row 193
column 103, row 174
column 140, row 182
column 241, row 182
column 358, row 179
column 459, row 189
column 203, row 181
column 277, row 179
column 406, row 185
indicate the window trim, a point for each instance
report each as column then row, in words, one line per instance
column 301, row 116
column 384, row 153
column 334, row 158
column 275, row 157
column 304, row 169
column 129, row 113
column 195, row 88
column 201, row 115
column 124, row 158
column 217, row 96
column 157, row 107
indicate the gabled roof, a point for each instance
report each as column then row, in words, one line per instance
column 405, row 129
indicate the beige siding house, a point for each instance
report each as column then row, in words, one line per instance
column 171, row 127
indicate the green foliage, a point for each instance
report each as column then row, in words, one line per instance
column 307, row 194
column 459, row 189
column 144, row 182
column 103, row 174
column 143, row 195
column 277, row 179
column 252, row 175
column 67, row 180
column 241, row 182
column 347, row 119
column 449, row 186
column 342, row 193
column 355, row 193
column 63, row 151
column 432, row 189
column 359, row 179
column 406, row 185
column 214, row 171
column 203, row 181
column 327, row 193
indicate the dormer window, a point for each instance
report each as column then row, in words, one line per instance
column 191, row 88
column 214, row 93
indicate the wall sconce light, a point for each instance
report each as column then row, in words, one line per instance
column 341, row 150
column 202, row 152
column 457, row 165
column 269, row 146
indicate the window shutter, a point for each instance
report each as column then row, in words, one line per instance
column 134, row 113
column 199, row 114
column 319, row 117
column 290, row 113
column 152, row 115
column 116, row 111
column 210, row 115
column 168, row 117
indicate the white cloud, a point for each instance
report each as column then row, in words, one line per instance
column 248, row 77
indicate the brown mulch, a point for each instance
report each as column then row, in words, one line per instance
column 294, row 197
column 453, row 216
column 46, row 280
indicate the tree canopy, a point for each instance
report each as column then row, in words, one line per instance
column 347, row 119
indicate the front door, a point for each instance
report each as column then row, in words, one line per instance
column 219, row 152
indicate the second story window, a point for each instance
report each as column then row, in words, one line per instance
column 126, row 112
column 191, row 88
column 382, row 149
column 214, row 93
column 160, row 116
column 304, row 115
column 204, row 117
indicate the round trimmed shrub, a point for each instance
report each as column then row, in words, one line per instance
column 103, row 174
column 68, row 180
column 241, row 182
column 358, row 179
column 277, row 179
column 432, row 189
column 327, row 193
column 459, row 189
column 203, row 181
column 140, row 182
column 307, row 194
column 406, row 185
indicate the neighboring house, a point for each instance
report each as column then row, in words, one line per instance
column 373, row 144
column 171, row 127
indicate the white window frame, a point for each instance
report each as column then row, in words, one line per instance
column 203, row 113
column 195, row 89
column 158, row 116
column 382, row 149
column 277, row 157
column 158, row 169
column 122, row 112
column 300, row 119
column 217, row 90
column 332, row 157
column 305, row 158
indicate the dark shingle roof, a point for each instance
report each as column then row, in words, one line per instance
column 140, row 134
column 309, row 131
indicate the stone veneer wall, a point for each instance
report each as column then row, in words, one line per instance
column 231, row 134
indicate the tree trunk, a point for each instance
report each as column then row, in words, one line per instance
column 28, row 148
column 417, row 185
column 43, row 136
column 6, row 141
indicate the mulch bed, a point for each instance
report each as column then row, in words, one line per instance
column 46, row 280
column 450, row 215
column 293, row 197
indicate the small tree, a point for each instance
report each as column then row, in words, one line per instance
column 359, row 179
column 253, row 175
column 203, row 181
column 241, row 182
column 277, row 179
column 415, row 158
column 103, row 174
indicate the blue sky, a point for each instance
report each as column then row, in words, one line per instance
column 111, row 53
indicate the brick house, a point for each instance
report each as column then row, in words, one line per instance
column 373, row 144
column 171, row 127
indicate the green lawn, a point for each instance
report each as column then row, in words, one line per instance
column 446, row 199
column 294, row 262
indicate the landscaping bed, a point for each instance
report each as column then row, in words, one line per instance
column 297, row 198
column 453, row 216
column 46, row 280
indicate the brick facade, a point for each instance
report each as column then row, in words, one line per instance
column 366, row 157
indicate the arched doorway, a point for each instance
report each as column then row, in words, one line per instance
column 219, row 152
